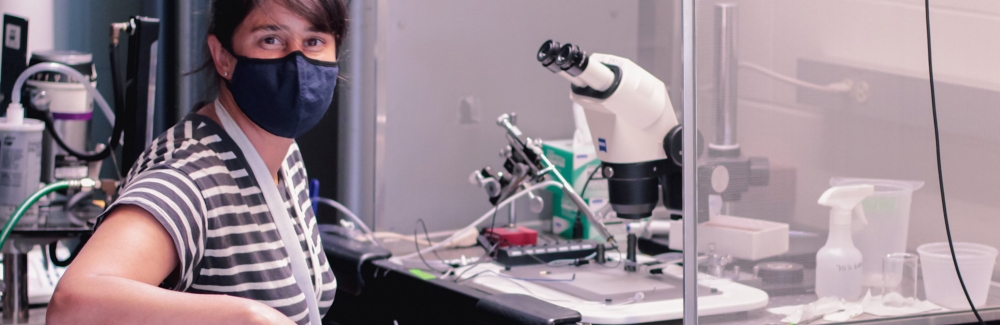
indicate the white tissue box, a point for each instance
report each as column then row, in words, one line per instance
column 743, row 238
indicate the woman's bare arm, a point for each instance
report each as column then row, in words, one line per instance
column 115, row 279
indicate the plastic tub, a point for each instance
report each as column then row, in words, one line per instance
column 940, row 281
column 888, row 214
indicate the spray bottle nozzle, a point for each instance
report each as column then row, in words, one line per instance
column 843, row 199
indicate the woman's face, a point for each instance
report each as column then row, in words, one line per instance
column 271, row 31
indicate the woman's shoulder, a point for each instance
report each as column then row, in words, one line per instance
column 193, row 144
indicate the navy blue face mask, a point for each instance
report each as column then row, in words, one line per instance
column 285, row 96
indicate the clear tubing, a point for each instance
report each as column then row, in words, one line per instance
column 62, row 68
column 488, row 214
column 597, row 76
column 351, row 215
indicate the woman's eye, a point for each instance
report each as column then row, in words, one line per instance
column 270, row 42
column 314, row 42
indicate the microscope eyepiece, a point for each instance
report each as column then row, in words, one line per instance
column 547, row 55
column 548, row 52
column 572, row 59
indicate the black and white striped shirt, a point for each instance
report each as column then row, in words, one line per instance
column 195, row 181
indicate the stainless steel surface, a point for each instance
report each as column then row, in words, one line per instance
column 357, row 112
column 726, row 67
column 690, row 201
column 15, row 295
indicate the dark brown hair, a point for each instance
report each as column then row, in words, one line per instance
column 328, row 16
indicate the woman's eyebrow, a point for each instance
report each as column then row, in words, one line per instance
column 270, row 28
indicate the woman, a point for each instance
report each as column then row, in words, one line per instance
column 208, row 227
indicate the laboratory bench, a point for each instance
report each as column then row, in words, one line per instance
column 373, row 290
column 392, row 293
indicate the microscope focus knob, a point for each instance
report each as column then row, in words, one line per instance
column 673, row 145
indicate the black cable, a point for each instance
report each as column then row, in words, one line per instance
column 482, row 258
column 427, row 236
column 416, row 243
column 493, row 220
column 72, row 254
column 579, row 211
column 589, row 178
column 937, row 147
column 117, row 129
column 85, row 156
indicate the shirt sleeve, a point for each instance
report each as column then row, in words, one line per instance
column 176, row 202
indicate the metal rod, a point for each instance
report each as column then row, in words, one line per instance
column 15, row 293
column 690, row 163
column 630, row 248
column 511, row 217
column 600, row 258
column 580, row 203
column 726, row 69
column 357, row 134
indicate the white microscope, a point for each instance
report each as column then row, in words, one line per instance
column 638, row 140
column 633, row 126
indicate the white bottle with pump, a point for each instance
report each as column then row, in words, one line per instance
column 838, row 263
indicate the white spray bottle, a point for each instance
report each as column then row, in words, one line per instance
column 838, row 263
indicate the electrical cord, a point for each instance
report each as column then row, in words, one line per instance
column 579, row 212
column 416, row 244
column 837, row 87
column 427, row 237
column 937, row 147
column 485, row 216
column 481, row 259
column 353, row 217
column 493, row 220
column 72, row 255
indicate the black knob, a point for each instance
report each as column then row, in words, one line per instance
column 673, row 144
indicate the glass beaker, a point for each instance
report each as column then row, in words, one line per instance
column 899, row 279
